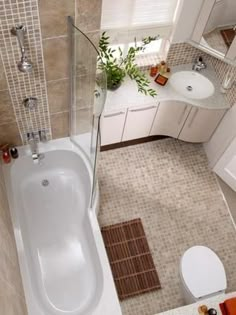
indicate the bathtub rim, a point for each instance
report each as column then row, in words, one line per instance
column 108, row 302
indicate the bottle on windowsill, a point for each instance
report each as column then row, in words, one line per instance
column 167, row 73
column 163, row 67
column 153, row 70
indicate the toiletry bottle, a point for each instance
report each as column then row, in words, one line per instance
column 162, row 68
column 153, row 70
column 227, row 81
column 6, row 156
column 212, row 311
column 14, row 153
column 202, row 310
column 167, row 73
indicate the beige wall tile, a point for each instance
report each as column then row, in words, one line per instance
column 6, row 110
column 88, row 14
column 3, row 81
column 84, row 120
column 53, row 16
column 21, row 85
column 58, row 96
column 56, row 58
column 60, row 125
column 9, row 133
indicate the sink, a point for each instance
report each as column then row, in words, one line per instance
column 191, row 84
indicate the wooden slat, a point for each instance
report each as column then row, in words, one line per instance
column 130, row 258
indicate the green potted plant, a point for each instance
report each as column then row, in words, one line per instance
column 118, row 68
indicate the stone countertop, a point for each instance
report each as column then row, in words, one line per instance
column 127, row 95
column 192, row 309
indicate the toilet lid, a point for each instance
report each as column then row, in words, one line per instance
column 202, row 271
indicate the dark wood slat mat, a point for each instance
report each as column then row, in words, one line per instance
column 130, row 258
column 228, row 36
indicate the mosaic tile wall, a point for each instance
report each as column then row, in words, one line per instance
column 21, row 85
column 184, row 53
column 168, row 184
column 55, row 49
column 46, row 44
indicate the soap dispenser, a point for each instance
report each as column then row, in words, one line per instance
column 227, row 81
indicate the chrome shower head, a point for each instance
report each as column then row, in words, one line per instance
column 25, row 65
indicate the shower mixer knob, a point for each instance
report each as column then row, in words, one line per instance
column 30, row 102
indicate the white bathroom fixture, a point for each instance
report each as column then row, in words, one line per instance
column 192, row 85
column 202, row 274
column 64, row 266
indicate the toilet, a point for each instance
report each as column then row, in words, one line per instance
column 202, row 274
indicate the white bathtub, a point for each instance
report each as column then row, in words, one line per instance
column 62, row 257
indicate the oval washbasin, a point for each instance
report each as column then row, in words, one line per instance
column 192, row 84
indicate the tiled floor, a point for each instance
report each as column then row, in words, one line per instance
column 168, row 184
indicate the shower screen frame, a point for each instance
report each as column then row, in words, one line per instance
column 91, row 145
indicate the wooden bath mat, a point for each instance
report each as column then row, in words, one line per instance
column 130, row 258
column 228, row 36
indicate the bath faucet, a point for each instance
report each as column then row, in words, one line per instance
column 199, row 64
column 33, row 139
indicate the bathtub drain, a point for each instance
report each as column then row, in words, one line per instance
column 45, row 182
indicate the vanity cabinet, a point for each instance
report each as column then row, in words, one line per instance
column 139, row 122
column 112, row 126
column 200, row 124
column 170, row 118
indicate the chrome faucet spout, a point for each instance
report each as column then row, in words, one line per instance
column 33, row 139
column 199, row 64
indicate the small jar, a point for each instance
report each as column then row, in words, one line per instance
column 153, row 70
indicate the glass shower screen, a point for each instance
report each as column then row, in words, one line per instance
column 87, row 95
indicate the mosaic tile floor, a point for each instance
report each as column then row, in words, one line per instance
column 168, row 185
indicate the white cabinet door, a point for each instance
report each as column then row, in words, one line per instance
column 201, row 124
column 112, row 126
column 170, row 118
column 226, row 166
column 139, row 122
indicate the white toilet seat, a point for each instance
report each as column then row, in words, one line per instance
column 202, row 272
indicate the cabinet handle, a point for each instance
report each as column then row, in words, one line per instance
column 112, row 115
column 194, row 115
column 141, row 109
column 182, row 114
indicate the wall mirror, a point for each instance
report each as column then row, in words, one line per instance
column 215, row 30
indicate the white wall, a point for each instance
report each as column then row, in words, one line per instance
column 222, row 137
column 186, row 20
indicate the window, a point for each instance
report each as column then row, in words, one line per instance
column 129, row 20
column 137, row 13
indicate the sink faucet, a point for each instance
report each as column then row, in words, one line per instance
column 199, row 64
column 33, row 139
